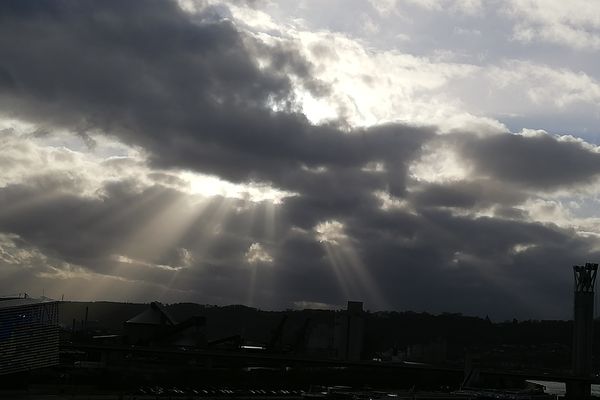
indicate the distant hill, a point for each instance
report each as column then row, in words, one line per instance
column 109, row 315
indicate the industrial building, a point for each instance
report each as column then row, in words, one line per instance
column 29, row 334
column 155, row 326
column 349, row 332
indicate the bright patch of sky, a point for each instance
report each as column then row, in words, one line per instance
column 86, row 163
column 210, row 185
column 456, row 63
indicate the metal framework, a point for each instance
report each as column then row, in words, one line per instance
column 583, row 326
column 585, row 277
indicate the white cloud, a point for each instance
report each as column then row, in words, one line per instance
column 210, row 185
column 545, row 86
column 314, row 305
column 13, row 254
column 384, row 7
column 370, row 87
column 468, row 7
column 256, row 254
column 27, row 158
column 574, row 23
column 330, row 232
column 139, row 263
column 389, row 202
column 439, row 163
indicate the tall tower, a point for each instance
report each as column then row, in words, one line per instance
column 583, row 320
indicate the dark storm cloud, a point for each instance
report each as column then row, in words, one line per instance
column 188, row 90
column 146, row 73
column 438, row 261
column 191, row 93
column 538, row 162
column 472, row 195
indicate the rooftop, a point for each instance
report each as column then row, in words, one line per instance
column 18, row 301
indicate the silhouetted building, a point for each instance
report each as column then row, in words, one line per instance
column 154, row 326
column 583, row 320
column 151, row 324
column 29, row 334
column 349, row 332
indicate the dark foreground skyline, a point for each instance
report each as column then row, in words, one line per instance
column 298, row 154
column 194, row 351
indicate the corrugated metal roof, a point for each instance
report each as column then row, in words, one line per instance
column 7, row 302
column 153, row 315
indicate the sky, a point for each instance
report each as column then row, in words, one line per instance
column 433, row 156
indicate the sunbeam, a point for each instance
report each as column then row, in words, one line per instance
column 257, row 258
column 169, row 216
column 271, row 209
column 164, row 229
column 24, row 204
column 352, row 275
column 337, row 270
column 212, row 223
